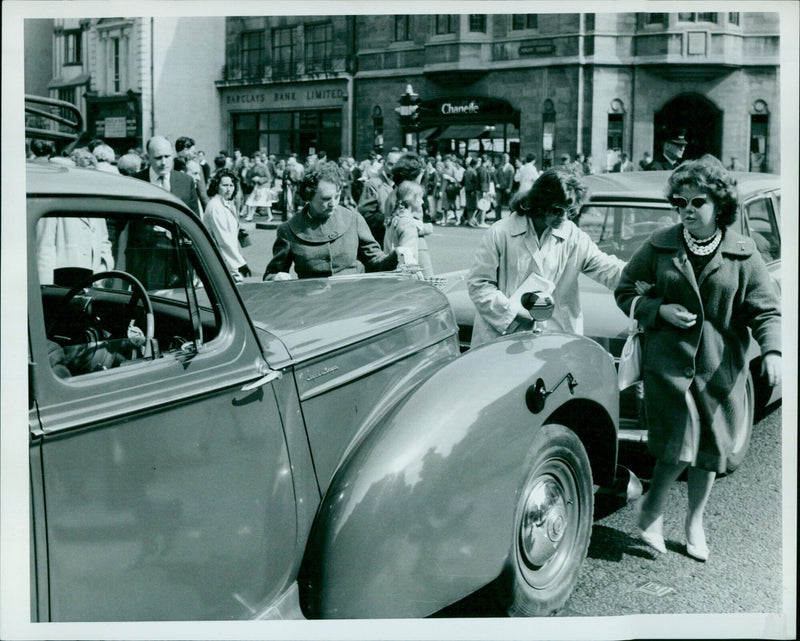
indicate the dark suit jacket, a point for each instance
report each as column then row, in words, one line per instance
column 180, row 185
column 661, row 162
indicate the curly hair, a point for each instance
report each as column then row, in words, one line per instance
column 708, row 174
column 408, row 167
column 556, row 186
column 327, row 171
column 213, row 184
column 84, row 158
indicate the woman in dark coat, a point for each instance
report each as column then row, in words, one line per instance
column 323, row 238
column 710, row 285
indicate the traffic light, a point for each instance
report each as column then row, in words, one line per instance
column 408, row 109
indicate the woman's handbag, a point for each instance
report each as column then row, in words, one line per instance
column 244, row 238
column 630, row 360
column 452, row 190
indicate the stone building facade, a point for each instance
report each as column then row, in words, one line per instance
column 549, row 84
column 133, row 77
column 543, row 83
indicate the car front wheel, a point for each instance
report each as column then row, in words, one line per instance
column 552, row 528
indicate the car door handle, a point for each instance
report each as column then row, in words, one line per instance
column 270, row 376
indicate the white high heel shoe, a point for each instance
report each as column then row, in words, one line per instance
column 696, row 551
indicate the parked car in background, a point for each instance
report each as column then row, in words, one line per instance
column 621, row 213
column 203, row 450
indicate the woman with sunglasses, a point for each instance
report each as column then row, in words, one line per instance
column 537, row 248
column 710, row 285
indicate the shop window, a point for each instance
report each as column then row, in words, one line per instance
column 759, row 128
column 477, row 23
column 520, row 21
column 283, row 52
column 616, row 127
column 67, row 94
column 445, row 23
column 697, row 17
column 72, row 47
column 285, row 132
column 548, row 133
column 733, row 17
column 252, row 51
column 319, row 46
column 401, row 28
column 116, row 65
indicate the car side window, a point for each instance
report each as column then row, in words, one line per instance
column 120, row 290
column 763, row 228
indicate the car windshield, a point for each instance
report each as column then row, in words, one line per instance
column 621, row 229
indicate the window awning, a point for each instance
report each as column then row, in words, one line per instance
column 426, row 133
column 462, row 132
column 58, row 83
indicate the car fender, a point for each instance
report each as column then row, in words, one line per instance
column 420, row 514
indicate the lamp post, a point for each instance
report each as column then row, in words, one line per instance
column 408, row 112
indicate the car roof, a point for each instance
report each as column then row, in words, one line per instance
column 650, row 185
column 60, row 180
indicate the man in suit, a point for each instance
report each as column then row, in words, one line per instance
column 671, row 153
column 151, row 253
column 161, row 173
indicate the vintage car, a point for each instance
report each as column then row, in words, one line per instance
column 621, row 213
column 201, row 450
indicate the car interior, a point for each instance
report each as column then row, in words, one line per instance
column 149, row 299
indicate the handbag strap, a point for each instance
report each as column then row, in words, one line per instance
column 633, row 325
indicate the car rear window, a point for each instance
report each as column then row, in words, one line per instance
column 621, row 229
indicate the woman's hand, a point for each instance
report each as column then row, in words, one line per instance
column 278, row 276
column 643, row 287
column 677, row 315
column 771, row 368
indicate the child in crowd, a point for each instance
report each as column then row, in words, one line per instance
column 405, row 229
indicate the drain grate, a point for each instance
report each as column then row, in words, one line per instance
column 656, row 589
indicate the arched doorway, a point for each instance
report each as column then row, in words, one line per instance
column 699, row 117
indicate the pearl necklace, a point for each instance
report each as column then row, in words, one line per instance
column 702, row 247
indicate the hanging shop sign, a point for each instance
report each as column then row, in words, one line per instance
column 467, row 109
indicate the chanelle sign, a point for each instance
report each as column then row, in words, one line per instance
column 469, row 108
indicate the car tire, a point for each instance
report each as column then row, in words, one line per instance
column 552, row 526
column 744, row 431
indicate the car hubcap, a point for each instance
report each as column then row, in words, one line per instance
column 544, row 522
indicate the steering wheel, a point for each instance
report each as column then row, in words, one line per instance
column 138, row 292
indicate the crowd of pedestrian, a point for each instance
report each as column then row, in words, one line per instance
column 451, row 190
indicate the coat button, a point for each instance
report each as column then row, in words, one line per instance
column 332, row 235
column 688, row 372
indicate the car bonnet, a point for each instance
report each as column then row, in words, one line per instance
column 317, row 315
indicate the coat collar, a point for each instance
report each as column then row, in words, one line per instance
column 313, row 231
column 518, row 225
column 733, row 243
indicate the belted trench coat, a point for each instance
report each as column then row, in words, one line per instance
column 510, row 253
column 733, row 293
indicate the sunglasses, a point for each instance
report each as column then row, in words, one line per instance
column 570, row 210
column 681, row 203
